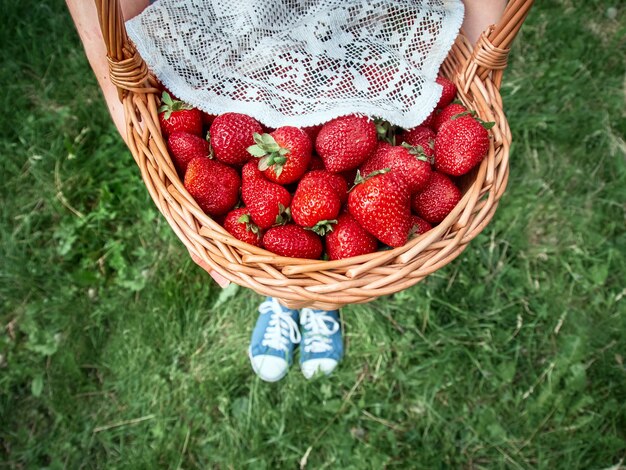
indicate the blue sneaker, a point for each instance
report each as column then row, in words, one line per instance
column 273, row 340
column 321, row 347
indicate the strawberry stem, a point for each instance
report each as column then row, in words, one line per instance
column 169, row 105
column 323, row 227
column 271, row 154
column 361, row 179
column 250, row 226
column 416, row 150
column 386, row 131
column 284, row 215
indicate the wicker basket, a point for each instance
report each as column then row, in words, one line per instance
column 323, row 284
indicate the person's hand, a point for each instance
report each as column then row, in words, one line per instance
column 217, row 277
column 479, row 15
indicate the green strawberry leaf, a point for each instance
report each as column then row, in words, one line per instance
column 256, row 151
column 416, row 150
column 386, row 131
column 376, row 173
column 167, row 99
column 323, row 227
column 358, row 179
column 464, row 113
column 284, row 215
column 244, row 219
column 264, row 162
column 258, row 139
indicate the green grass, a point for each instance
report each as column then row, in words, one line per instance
column 117, row 353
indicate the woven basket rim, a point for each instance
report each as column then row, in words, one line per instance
column 477, row 72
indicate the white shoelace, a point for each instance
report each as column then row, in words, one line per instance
column 319, row 328
column 281, row 328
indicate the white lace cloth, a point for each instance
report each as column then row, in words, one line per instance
column 301, row 62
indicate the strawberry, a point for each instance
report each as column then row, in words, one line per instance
column 184, row 147
column 338, row 182
column 284, row 154
column 421, row 136
column 349, row 239
column 436, row 201
column 174, row 115
column 312, row 131
column 448, row 93
column 419, row 226
column 266, row 201
column 429, row 121
column 207, row 119
column 409, row 162
column 293, row 241
column 350, row 175
column 316, row 163
column 346, row 142
column 213, row 185
column 448, row 113
column 231, row 135
column 240, row 226
column 315, row 205
column 381, row 204
column 461, row 144
column 376, row 160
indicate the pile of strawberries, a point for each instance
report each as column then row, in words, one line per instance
column 345, row 188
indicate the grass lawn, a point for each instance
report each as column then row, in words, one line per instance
column 116, row 351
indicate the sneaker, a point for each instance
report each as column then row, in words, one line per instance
column 321, row 347
column 273, row 340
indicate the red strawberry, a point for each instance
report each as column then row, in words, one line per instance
column 346, row 142
column 213, row 185
column 349, row 239
column 250, row 171
column 436, row 201
column 419, row 226
column 312, row 131
column 461, row 144
column 175, row 116
column 421, row 136
column 207, row 119
column 449, row 91
column 293, row 241
column 448, row 113
column 315, row 205
column 184, row 147
column 267, row 202
column 429, row 121
column 350, row 176
column 240, row 226
column 316, row 163
column 284, row 154
column 376, row 160
column 338, row 182
column 231, row 135
column 381, row 204
column 409, row 162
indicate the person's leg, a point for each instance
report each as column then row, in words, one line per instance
column 321, row 347
column 274, row 338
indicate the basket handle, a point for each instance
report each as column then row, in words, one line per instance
column 490, row 53
column 128, row 71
